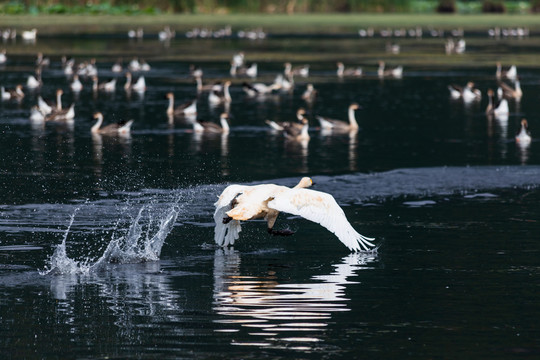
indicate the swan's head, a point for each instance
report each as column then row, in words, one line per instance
column 59, row 92
column 490, row 92
column 354, row 106
column 301, row 111
column 169, row 95
column 470, row 84
column 305, row 182
column 524, row 123
column 98, row 115
column 224, row 116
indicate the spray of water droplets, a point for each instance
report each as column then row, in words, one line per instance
column 140, row 242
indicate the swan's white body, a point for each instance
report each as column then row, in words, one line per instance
column 238, row 203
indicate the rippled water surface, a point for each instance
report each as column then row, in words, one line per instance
column 106, row 242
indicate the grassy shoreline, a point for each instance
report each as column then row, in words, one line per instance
column 299, row 23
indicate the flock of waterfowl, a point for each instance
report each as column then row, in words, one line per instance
column 508, row 87
column 218, row 94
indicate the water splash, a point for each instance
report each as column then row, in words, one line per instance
column 141, row 242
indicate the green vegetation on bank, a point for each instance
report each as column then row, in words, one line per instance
column 279, row 23
column 155, row 7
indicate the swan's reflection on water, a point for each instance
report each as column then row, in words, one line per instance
column 278, row 314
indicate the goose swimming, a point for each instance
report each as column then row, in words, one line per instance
column 296, row 133
column 256, row 89
column 309, row 94
column 280, row 126
column 189, row 108
column 469, row 93
column 76, row 85
column 340, row 125
column 523, row 136
column 497, row 109
column 13, row 94
column 240, row 203
column 396, row 72
column 34, row 82
column 217, row 97
column 208, row 127
column 120, row 128
column 342, row 71
column 139, row 86
column 108, row 86
column 511, row 92
column 217, row 86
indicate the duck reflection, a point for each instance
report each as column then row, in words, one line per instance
column 110, row 142
column 283, row 314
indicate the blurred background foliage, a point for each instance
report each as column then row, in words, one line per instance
column 148, row 7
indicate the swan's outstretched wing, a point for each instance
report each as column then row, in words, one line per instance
column 321, row 208
column 226, row 234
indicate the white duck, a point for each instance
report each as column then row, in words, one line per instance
column 189, row 108
column 208, row 127
column 240, row 203
column 29, row 34
column 524, row 136
column 120, row 128
column 339, row 125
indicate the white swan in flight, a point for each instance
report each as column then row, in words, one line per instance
column 242, row 202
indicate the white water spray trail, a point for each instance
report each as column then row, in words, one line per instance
column 142, row 242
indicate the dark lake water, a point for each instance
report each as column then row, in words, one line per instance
column 106, row 242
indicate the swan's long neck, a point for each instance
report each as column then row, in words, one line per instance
column 224, row 124
column 226, row 93
column 199, row 83
column 170, row 108
column 341, row 69
column 489, row 107
column 352, row 118
column 59, row 101
column 305, row 134
column 97, row 125
column 127, row 85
